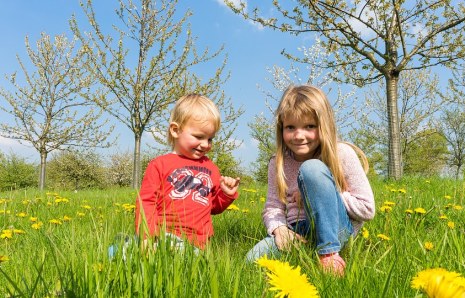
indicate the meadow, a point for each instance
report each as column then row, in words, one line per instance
column 55, row 244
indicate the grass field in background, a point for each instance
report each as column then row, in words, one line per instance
column 54, row 244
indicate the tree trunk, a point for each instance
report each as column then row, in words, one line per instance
column 395, row 153
column 43, row 165
column 136, row 175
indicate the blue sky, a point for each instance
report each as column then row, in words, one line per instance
column 250, row 48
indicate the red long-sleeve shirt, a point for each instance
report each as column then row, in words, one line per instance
column 180, row 194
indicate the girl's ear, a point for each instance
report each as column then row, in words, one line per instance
column 174, row 130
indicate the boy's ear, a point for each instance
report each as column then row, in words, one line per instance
column 174, row 130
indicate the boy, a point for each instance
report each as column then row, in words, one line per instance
column 180, row 190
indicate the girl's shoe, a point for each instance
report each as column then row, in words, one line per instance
column 333, row 264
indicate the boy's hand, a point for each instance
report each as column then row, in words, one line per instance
column 229, row 185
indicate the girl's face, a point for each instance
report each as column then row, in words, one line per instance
column 194, row 140
column 301, row 136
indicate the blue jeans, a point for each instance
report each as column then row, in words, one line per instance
column 327, row 224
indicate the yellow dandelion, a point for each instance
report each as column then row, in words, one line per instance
column 402, row 190
column 26, row 202
column 447, row 197
column 383, row 237
column 37, row 225
column 428, row 245
column 385, row 209
column 286, row 280
column 233, row 207
column 262, row 199
column 439, row 282
column 129, row 207
column 80, row 214
column 6, row 234
column 451, row 224
column 393, row 190
column 249, row 190
column 17, row 231
column 33, row 219
column 389, row 203
column 365, row 233
column 4, row 259
column 420, row 210
column 427, row 181
column 21, row 214
column 55, row 221
column 86, row 207
column 443, row 216
column 409, row 211
column 66, row 218
column 49, row 204
column 245, row 210
column 458, row 207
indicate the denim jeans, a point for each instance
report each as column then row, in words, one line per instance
column 327, row 225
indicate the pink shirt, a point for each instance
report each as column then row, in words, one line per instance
column 358, row 199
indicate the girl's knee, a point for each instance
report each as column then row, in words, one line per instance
column 313, row 167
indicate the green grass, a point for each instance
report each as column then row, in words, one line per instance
column 67, row 255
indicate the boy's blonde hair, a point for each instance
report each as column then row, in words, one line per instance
column 194, row 106
column 301, row 102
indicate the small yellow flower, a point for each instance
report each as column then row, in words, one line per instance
column 420, row 210
column 447, row 197
column 66, row 218
column 86, row 207
column 6, row 234
column 365, row 233
column 17, row 231
column 409, row 211
column 249, row 190
column 21, row 214
column 33, row 219
column 383, row 237
column 428, row 245
column 37, row 225
column 80, row 214
column 402, row 190
column 443, row 216
column 458, row 207
column 385, row 209
column 4, row 259
column 262, row 199
column 451, row 224
column 233, row 207
column 389, row 203
column 55, row 221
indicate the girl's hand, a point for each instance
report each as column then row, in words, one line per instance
column 229, row 185
column 283, row 237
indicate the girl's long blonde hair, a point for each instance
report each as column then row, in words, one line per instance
column 300, row 102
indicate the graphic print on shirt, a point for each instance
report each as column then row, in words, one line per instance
column 186, row 184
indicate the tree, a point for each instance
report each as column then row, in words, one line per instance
column 50, row 109
column 373, row 40
column 16, row 172
column 137, row 89
column 427, row 154
column 73, row 170
column 452, row 128
column 418, row 102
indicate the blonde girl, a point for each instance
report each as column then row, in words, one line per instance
column 318, row 191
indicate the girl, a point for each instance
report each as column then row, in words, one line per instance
column 316, row 184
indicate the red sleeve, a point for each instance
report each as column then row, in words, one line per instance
column 221, row 201
column 146, row 203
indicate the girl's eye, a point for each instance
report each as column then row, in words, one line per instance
column 311, row 126
column 289, row 127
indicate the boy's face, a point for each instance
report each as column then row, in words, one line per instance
column 194, row 140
